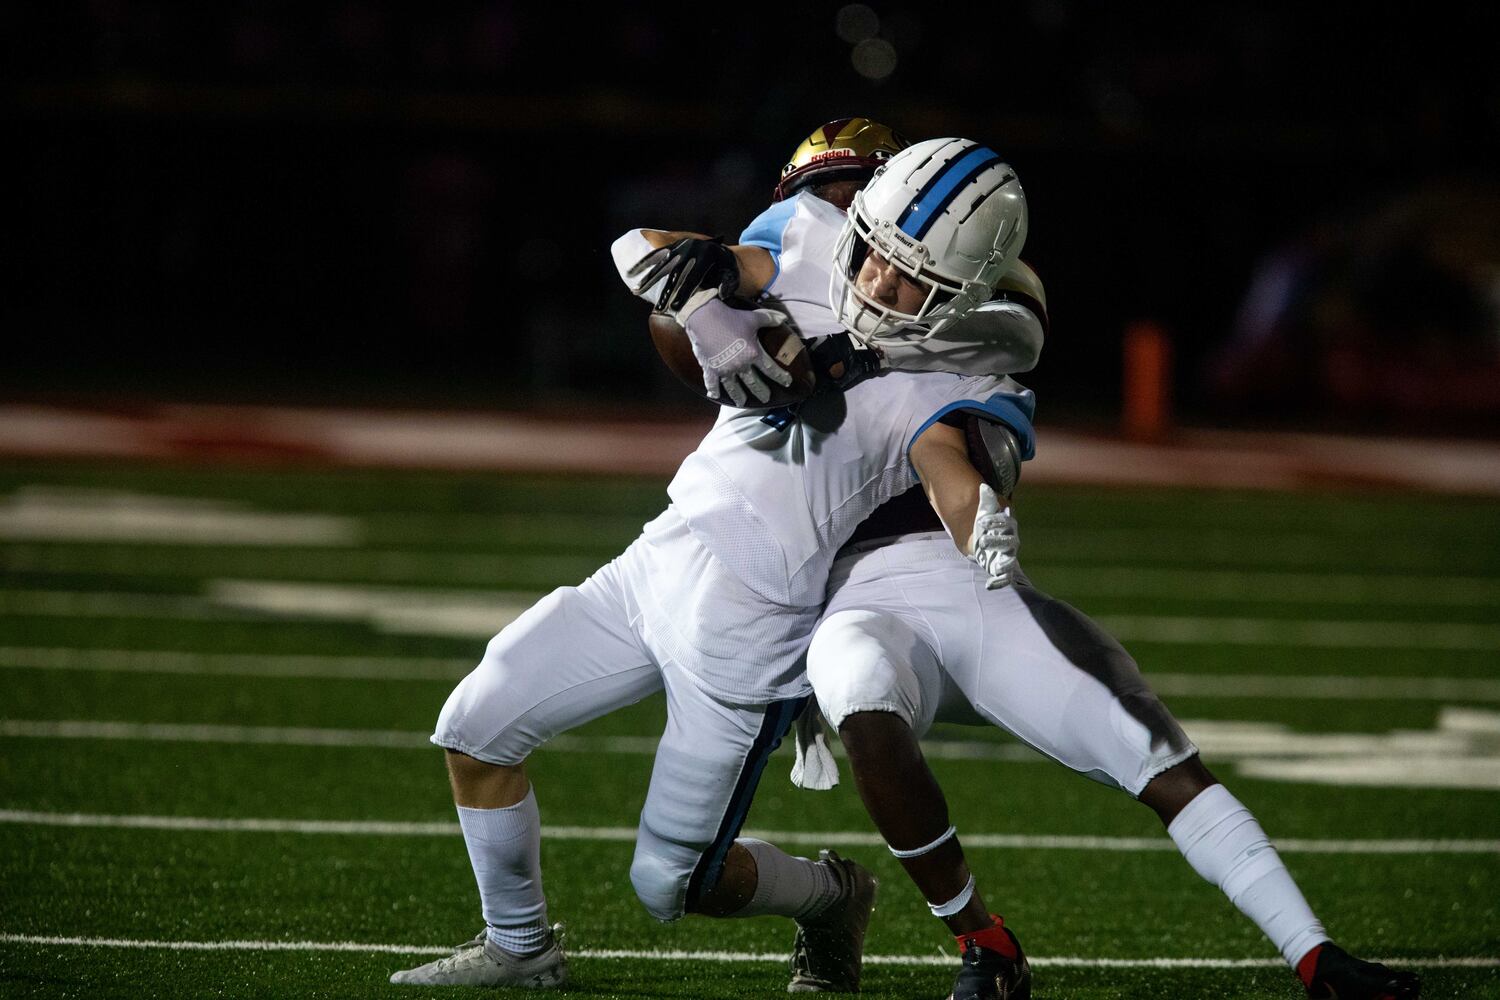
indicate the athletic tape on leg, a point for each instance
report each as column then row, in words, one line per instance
column 929, row 848
column 956, row 903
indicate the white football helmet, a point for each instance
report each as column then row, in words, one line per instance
column 951, row 215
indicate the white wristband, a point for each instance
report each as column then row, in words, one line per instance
column 628, row 251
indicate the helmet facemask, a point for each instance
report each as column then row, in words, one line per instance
column 946, row 298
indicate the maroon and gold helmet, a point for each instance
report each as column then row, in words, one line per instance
column 845, row 148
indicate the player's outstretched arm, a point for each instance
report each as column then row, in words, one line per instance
column 638, row 253
column 978, row 520
column 1000, row 337
column 705, row 286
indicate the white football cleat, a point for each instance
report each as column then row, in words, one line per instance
column 481, row 962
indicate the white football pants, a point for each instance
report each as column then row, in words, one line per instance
column 582, row 652
column 910, row 629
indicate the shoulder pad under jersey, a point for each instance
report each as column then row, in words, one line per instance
column 1020, row 284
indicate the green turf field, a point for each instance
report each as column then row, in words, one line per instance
column 217, row 687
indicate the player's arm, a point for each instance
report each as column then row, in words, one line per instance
column 708, row 287
column 977, row 519
column 1001, row 336
column 645, row 260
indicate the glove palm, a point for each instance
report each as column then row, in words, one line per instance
column 726, row 342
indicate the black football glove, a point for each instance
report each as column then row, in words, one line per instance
column 689, row 266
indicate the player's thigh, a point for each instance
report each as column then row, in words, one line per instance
column 703, row 779
column 570, row 658
column 1047, row 673
column 872, row 659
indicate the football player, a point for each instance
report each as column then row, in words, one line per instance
column 1003, row 334
column 838, row 159
column 786, row 262
column 906, row 588
column 714, row 604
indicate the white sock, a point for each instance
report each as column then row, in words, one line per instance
column 787, row 886
column 1223, row 842
column 505, row 849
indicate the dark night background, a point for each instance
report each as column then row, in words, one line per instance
column 381, row 204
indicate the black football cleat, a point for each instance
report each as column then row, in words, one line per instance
column 1334, row 974
column 829, row 949
column 987, row 974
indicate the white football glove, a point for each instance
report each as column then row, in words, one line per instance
column 997, row 539
column 727, row 345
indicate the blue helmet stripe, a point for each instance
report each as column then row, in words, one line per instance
column 943, row 188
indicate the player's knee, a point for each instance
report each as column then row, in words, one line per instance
column 448, row 732
column 858, row 662
column 660, row 884
column 666, row 854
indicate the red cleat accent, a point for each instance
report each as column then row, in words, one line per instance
column 994, row 937
column 1308, row 965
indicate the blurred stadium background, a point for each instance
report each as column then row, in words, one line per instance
column 248, row 244
column 397, row 204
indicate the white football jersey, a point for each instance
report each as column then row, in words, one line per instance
column 774, row 506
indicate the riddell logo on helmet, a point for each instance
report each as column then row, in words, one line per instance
column 832, row 154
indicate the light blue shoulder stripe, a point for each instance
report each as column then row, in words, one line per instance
column 1014, row 410
column 769, row 228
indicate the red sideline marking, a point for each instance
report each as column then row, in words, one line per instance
column 597, row 443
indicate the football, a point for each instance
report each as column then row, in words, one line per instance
column 780, row 342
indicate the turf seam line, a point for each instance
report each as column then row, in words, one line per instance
column 1060, row 961
column 628, row 834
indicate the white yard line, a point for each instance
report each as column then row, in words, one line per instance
column 63, row 514
column 146, row 661
column 462, row 614
column 308, row 736
column 1081, row 576
column 390, row 567
column 1183, row 630
column 661, row 955
column 201, row 733
column 856, row 838
column 1329, row 687
column 1076, row 581
column 479, row 614
column 397, row 668
column 103, row 604
column 1460, row 752
column 170, row 732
